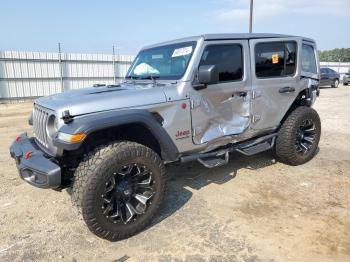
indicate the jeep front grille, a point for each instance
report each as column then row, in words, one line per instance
column 40, row 118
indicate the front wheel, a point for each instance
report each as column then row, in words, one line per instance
column 118, row 189
column 298, row 138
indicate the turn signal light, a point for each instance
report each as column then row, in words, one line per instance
column 71, row 139
column 77, row 137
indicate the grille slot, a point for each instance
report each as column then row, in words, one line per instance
column 40, row 118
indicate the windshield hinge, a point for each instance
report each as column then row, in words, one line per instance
column 255, row 118
column 256, row 94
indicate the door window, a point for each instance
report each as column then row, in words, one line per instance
column 228, row 60
column 275, row 59
column 308, row 59
column 332, row 72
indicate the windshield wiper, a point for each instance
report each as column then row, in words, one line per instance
column 132, row 77
column 151, row 77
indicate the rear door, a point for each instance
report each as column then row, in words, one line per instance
column 333, row 75
column 223, row 109
column 275, row 79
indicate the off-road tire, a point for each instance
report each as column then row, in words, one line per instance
column 285, row 147
column 93, row 172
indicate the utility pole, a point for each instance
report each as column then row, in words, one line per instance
column 60, row 66
column 251, row 17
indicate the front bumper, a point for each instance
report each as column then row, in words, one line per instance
column 33, row 166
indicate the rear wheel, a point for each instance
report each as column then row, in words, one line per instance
column 118, row 189
column 335, row 83
column 298, row 137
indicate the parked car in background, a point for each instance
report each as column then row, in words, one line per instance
column 329, row 77
column 346, row 78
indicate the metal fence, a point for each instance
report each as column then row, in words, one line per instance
column 34, row 74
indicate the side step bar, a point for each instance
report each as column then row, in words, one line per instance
column 259, row 145
column 211, row 162
column 220, row 157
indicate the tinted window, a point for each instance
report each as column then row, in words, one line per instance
column 323, row 70
column 275, row 59
column 308, row 60
column 228, row 60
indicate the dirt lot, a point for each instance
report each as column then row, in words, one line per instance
column 253, row 209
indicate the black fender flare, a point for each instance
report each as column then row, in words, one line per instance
column 107, row 119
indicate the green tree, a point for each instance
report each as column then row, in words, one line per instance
column 335, row 55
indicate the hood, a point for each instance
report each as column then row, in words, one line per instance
column 102, row 98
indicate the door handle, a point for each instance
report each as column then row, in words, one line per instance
column 286, row 89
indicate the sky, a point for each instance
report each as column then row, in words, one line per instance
column 86, row 26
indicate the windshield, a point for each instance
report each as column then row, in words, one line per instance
column 163, row 62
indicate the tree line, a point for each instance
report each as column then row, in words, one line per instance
column 335, row 55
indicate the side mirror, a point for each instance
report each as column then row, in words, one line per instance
column 207, row 74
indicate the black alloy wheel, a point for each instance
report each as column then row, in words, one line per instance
column 127, row 194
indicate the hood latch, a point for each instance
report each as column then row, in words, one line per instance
column 67, row 117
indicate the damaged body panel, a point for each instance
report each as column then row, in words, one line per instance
column 212, row 119
column 223, row 109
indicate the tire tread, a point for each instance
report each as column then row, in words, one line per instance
column 284, row 148
column 86, row 180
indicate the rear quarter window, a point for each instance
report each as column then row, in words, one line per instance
column 308, row 59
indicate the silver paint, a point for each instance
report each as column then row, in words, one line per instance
column 214, row 116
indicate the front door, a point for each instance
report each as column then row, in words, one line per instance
column 324, row 77
column 275, row 79
column 223, row 109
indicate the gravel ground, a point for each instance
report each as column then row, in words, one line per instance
column 253, row 209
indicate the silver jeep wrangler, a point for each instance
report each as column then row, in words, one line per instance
column 197, row 98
